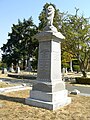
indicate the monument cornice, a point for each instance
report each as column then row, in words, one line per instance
column 49, row 35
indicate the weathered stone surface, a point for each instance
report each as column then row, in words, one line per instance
column 49, row 61
column 49, row 35
column 48, row 105
column 47, row 87
column 49, row 96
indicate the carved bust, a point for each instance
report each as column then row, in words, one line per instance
column 50, row 15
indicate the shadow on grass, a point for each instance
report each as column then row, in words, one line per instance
column 17, row 81
column 12, row 99
column 32, row 77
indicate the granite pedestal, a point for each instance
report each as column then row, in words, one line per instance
column 49, row 90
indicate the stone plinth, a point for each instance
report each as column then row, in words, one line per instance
column 49, row 90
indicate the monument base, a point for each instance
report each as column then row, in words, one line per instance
column 47, row 100
column 48, row 105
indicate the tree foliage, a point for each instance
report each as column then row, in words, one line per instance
column 76, row 31
column 20, row 45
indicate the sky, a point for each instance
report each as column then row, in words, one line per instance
column 12, row 10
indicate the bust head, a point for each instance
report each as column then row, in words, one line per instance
column 50, row 9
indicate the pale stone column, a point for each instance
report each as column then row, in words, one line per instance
column 11, row 68
column 71, row 69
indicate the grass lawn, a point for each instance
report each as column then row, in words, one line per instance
column 12, row 107
column 4, row 84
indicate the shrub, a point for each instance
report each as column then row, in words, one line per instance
column 82, row 80
column 76, row 68
column 3, row 65
column 66, row 65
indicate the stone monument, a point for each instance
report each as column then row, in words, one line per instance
column 49, row 90
column 11, row 68
column 4, row 70
column 17, row 69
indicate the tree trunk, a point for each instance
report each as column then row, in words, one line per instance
column 84, row 73
column 82, row 68
column 24, row 64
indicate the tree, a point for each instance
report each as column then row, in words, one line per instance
column 20, row 45
column 77, row 42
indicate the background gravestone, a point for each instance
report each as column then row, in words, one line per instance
column 11, row 69
column 49, row 89
column 4, row 70
column 17, row 69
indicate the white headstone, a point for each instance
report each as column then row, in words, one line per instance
column 17, row 69
column 11, row 68
column 71, row 68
